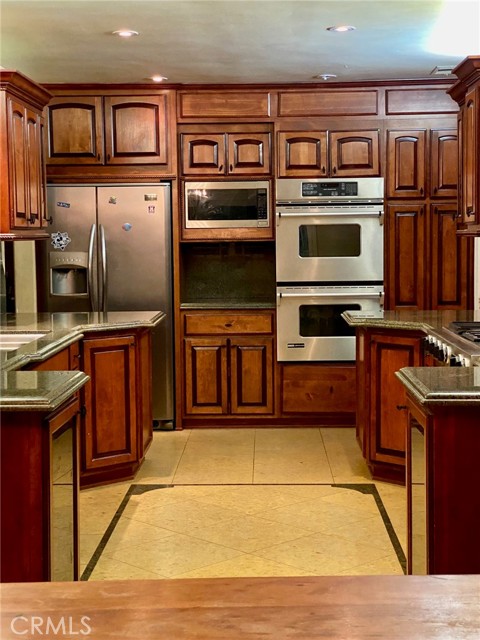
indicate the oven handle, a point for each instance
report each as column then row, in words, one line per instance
column 329, row 295
column 335, row 214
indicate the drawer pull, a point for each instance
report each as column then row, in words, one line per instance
column 402, row 407
column 228, row 324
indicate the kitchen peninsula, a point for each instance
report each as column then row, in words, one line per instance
column 419, row 422
column 76, row 409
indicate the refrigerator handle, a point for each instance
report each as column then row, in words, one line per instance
column 103, row 258
column 91, row 281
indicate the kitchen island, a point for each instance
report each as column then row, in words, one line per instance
column 326, row 607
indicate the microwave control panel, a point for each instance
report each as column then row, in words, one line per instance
column 262, row 208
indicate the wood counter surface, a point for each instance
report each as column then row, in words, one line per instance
column 340, row 608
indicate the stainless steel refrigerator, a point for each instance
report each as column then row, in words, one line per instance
column 110, row 250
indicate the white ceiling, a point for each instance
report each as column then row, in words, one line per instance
column 233, row 41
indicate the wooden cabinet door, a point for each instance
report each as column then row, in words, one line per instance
column 251, row 375
column 206, row 375
column 25, row 187
column 448, row 259
column 203, row 154
column 248, row 153
column 354, row 153
column 110, row 424
column 75, row 130
column 470, row 160
column 406, row 164
column 302, row 154
column 136, row 129
column 405, row 256
column 443, row 163
column 389, row 415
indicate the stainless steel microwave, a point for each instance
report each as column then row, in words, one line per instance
column 227, row 204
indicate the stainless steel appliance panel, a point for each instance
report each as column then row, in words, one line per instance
column 327, row 190
column 309, row 323
column 330, row 244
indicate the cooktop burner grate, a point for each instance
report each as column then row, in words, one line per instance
column 468, row 330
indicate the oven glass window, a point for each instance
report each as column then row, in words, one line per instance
column 329, row 240
column 223, row 204
column 321, row 320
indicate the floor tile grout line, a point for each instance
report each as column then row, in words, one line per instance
column 181, row 455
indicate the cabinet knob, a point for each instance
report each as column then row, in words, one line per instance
column 31, row 219
column 334, row 170
column 228, row 324
column 220, row 168
column 434, row 191
column 231, row 167
column 108, row 156
column 323, row 170
column 470, row 211
column 421, row 191
column 49, row 220
column 98, row 156
column 402, row 407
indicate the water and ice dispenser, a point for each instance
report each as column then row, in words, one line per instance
column 69, row 273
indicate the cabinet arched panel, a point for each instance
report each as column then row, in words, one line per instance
column 444, row 163
column 301, row 154
column 202, row 154
column 406, row 164
column 354, row 153
column 248, row 154
column 75, row 131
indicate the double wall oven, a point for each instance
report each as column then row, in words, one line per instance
column 329, row 260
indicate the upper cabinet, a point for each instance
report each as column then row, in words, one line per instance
column 328, row 154
column 229, row 152
column 111, row 130
column 466, row 91
column 23, row 191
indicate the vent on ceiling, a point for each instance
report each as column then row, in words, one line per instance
column 441, row 71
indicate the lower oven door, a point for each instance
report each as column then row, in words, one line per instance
column 309, row 323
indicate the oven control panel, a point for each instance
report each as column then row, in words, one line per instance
column 439, row 351
column 333, row 189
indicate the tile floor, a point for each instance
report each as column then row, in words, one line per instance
column 245, row 502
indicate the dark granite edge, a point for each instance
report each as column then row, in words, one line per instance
column 425, row 396
column 63, row 384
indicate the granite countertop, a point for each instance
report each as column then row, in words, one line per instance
column 63, row 329
column 405, row 319
column 442, row 385
column 238, row 304
column 38, row 390
column 46, row 390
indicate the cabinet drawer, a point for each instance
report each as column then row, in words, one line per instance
column 227, row 323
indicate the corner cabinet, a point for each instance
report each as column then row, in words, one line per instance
column 228, row 364
column 110, row 130
column 466, row 92
column 117, row 421
column 328, row 154
column 23, row 176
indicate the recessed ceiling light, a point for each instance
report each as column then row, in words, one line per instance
column 158, row 78
column 125, row 33
column 341, row 28
column 325, row 76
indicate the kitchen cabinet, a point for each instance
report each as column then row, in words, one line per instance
column 427, row 263
column 39, row 494
column 443, row 163
column 67, row 359
column 110, row 130
column 442, row 496
column 117, row 420
column 466, row 92
column 406, row 164
column 328, row 153
column 382, row 415
column 229, row 364
column 311, row 390
column 23, row 178
column 229, row 152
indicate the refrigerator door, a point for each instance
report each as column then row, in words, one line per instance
column 135, row 233
column 69, row 258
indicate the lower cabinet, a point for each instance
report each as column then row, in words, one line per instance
column 117, row 421
column 442, row 489
column 39, row 494
column 382, row 407
column 325, row 391
column 228, row 364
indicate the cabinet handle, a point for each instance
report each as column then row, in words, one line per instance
column 323, row 170
column 98, row 156
column 83, row 410
column 220, row 168
column 228, row 324
column 421, row 191
column 402, row 407
column 49, row 220
column 470, row 211
column 31, row 219
column 108, row 157
column 334, row 170
column 435, row 190
column 231, row 167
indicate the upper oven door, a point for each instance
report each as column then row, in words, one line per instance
column 330, row 243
